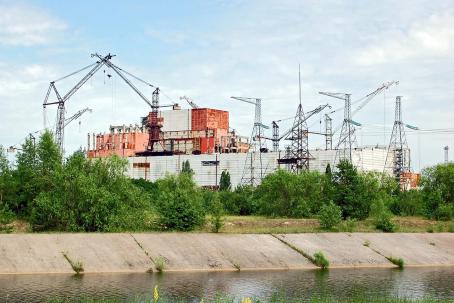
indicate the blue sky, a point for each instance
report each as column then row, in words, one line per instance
column 211, row 50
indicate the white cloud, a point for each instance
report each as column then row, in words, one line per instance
column 25, row 25
column 432, row 37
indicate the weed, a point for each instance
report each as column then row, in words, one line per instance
column 77, row 266
column 396, row 261
column 432, row 243
column 237, row 266
column 366, row 243
column 160, row 263
column 320, row 260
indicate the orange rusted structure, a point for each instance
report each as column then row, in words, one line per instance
column 208, row 133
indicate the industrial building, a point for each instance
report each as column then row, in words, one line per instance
column 208, row 167
column 183, row 131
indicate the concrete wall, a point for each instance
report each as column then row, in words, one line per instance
column 43, row 253
column 368, row 159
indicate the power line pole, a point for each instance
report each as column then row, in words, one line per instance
column 446, row 148
column 328, row 132
column 257, row 145
column 398, row 146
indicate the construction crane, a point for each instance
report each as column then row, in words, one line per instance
column 77, row 115
column 154, row 128
column 347, row 137
column 190, row 101
column 249, row 175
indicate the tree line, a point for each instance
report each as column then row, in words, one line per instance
column 80, row 194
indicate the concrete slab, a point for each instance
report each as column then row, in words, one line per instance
column 43, row 253
column 32, row 253
column 414, row 248
column 187, row 251
column 341, row 249
column 105, row 252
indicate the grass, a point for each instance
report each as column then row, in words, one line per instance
column 77, row 266
column 397, row 261
column 160, row 263
column 274, row 299
column 320, row 260
column 264, row 225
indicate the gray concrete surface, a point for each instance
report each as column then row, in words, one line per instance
column 221, row 252
column 341, row 249
column 43, row 253
column 416, row 249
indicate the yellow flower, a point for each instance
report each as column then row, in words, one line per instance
column 156, row 293
column 246, row 300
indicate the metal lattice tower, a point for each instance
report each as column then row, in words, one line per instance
column 250, row 176
column 275, row 139
column 398, row 146
column 328, row 132
column 347, row 137
column 298, row 154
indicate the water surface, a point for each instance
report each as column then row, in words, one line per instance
column 191, row 286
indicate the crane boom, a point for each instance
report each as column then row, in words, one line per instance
column 247, row 100
column 77, row 115
column 308, row 115
column 190, row 101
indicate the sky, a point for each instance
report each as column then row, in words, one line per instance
column 211, row 50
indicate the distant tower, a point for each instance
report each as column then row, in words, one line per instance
column 446, row 154
column 328, row 132
column 398, row 146
column 297, row 155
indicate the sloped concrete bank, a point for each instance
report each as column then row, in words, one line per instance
column 142, row 252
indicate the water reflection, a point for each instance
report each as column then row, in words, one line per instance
column 411, row 283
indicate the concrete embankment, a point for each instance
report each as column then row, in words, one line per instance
column 139, row 252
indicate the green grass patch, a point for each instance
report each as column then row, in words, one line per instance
column 77, row 266
column 397, row 261
column 320, row 260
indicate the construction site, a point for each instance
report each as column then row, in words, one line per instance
column 168, row 134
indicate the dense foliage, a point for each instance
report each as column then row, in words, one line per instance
column 80, row 194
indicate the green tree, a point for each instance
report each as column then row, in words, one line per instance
column 285, row 194
column 186, row 168
column 6, row 180
column 224, row 182
column 216, row 214
column 90, row 195
column 26, row 176
column 438, row 191
column 241, row 201
column 179, row 203
column 354, row 191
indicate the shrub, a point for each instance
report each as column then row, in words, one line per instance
column 444, row 212
column 397, row 261
column 320, row 260
column 329, row 215
column 224, row 182
column 216, row 218
column 288, row 195
column 239, row 202
column 179, row 203
column 382, row 216
column 408, row 203
column 160, row 263
column 438, row 190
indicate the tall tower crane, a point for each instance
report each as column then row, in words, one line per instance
column 347, row 138
column 154, row 128
column 257, row 146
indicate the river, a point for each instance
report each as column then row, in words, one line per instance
column 191, row 286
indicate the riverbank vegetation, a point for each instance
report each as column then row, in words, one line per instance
column 43, row 192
